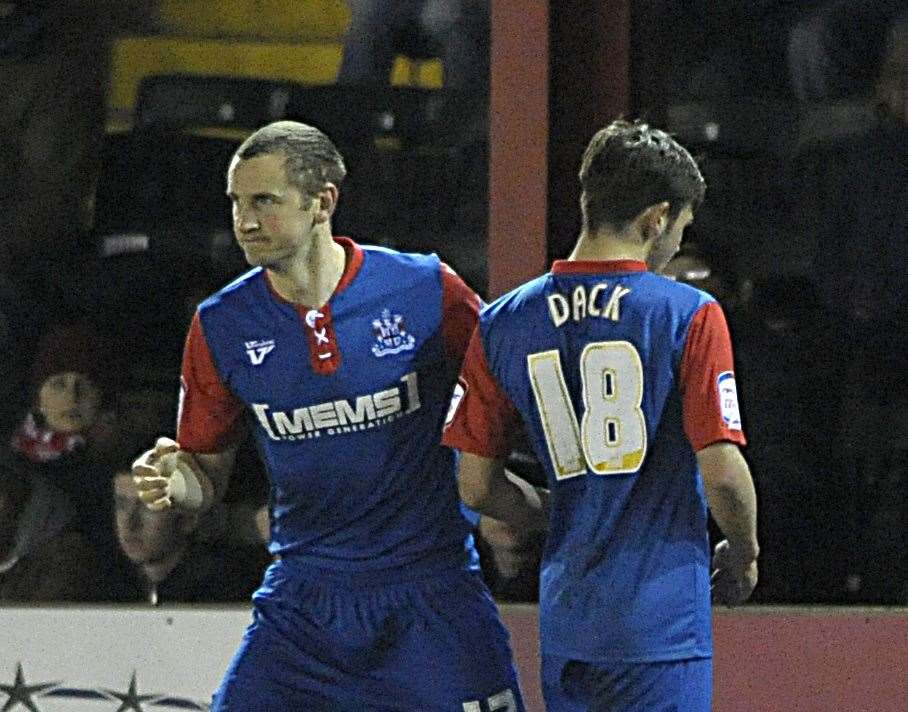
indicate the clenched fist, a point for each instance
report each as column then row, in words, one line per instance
column 734, row 575
column 166, row 476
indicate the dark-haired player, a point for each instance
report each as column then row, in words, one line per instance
column 625, row 382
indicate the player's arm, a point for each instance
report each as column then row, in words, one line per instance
column 731, row 496
column 733, row 502
column 480, row 423
column 194, row 472
column 461, row 307
column 486, row 487
column 712, row 422
column 460, row 314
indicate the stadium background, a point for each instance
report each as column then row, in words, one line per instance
column 202, row 73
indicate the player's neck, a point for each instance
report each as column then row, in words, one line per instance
column 312, row 278
column 607, row 246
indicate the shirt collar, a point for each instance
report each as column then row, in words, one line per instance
column 355, row 256
column 597, row 266
column 354, row 262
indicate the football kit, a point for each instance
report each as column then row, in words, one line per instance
column 619, row 376
column 375, row 601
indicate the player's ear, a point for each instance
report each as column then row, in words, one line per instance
column 327, row 202
column 653, row 221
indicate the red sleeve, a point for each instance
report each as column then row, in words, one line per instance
column 460, row 314
column 710, row 400
column 482, row 418
column 208, row 419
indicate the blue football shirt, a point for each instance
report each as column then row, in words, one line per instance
column 346, row 403
column 619, row 376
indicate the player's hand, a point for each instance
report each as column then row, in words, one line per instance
column 165, row 476
column 500, row 534
column 734, row 575
column 511, row 549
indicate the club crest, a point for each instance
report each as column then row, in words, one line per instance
column 390, row 335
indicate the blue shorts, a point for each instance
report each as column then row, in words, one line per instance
column 666, row 686
column 430, row 645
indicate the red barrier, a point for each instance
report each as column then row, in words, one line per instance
column 779, row 659
column 811, row 660
column 522, row 621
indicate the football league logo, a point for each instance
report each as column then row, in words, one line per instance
column 728, row 400
column 460, row 390
column 390, row 335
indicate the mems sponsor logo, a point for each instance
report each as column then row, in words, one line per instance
column 336, row 417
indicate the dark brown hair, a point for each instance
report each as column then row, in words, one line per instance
column 628, row 167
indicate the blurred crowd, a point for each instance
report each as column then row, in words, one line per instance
column 71, row 524
column 821, row 342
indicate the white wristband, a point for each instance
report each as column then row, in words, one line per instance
column 183, row 488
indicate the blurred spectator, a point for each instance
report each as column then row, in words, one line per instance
column 54, row 57
column 42, row 556
column 426, row 190
column 808, row 61
column 891, row 83
column 695, row 266
column 73, row 378
column 169, row 564
column 862, row 252
column 146, row 406
column 834, row 50
column 454, row 30
column 457, row 31
column 695, row 50
column 67, row 434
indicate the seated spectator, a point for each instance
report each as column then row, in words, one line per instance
column 66, row 434
column 43, row 557
column 70, row 375
column 146, row 406
column 168, row 563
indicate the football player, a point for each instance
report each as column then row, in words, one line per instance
column 341, row 359
column 625, row 382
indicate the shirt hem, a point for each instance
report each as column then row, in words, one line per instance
column 300, row 564
column 654, row 657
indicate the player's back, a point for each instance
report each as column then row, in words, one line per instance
column 591, row 356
